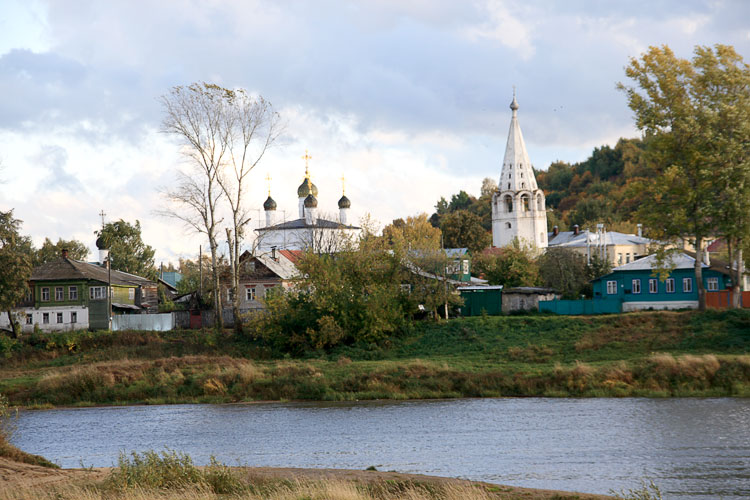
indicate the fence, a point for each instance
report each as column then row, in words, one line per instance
column 722, row 299
column 581, row 307
column 152, row 322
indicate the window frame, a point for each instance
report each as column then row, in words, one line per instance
column 670, row 285
column 689, row 282
column 59, row 319
column 97, row 293
column 44, row 294
column 45, row 318
column 73, row 292
column 74, row 317
column 611, row 285
column 29, row 319
column 636, row 286
column 59, row 293
column 712, row 284
column 250, row 294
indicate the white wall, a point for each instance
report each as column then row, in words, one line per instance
column 37, row 318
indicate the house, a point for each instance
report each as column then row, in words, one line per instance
column 459, row 265
column 637, row 287
column 67, row 294
column 618, row 248
column 260, row 274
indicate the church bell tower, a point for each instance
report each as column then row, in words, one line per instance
column 518, row 205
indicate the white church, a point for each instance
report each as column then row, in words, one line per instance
column 518, row 205
column 309, row 231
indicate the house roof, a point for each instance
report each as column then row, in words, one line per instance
column 680, row 261
column 302, row 224
column 69, row 269
column 529, row 290
column 282, row 266
column 455, row 252
column 584, row 238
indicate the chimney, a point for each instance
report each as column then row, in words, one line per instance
column 640, row 230
column 576, row 230
column 273, row 254
column 64, row 253
column 555, row 231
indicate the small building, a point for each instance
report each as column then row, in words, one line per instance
column 480, row 300
column 526, row 298
column 637, row 286
column 66, row 294
column 618, row 248
column 459, row 265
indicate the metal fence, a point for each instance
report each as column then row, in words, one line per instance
column 581, row 307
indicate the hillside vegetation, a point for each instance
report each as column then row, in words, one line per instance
column 639, row 354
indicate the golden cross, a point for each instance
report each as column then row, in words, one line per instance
column 307, row 157
column 268, row 178
column 343, row 184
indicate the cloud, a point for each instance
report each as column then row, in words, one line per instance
column 54, row 159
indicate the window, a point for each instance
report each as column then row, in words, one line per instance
column 74, row 317
column 619, row 259
column 508, row 202
column 636, row 286
column 465, row 266
column 525, row 202
column 45, row 294
column 712, row 284
column 627, row 258
column 611, row 287
column 670, row 285
column 250, row 293
column 508, row 225
column 72, row 293
column 653, row 285
column 230, row 295
column 131, row 293
column 30, row 295
column 59, row 317
column 539, row 203
column 29, row 319
column 45, row 318
column 96, row 293
column 59, row 294
column 405, row 287
column 687, row 285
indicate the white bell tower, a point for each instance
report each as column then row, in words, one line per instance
column 518, row 205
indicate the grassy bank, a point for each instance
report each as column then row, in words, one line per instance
column 639, row 354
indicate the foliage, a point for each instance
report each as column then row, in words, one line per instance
column 127, row 251
column 170, row 470
column 413, row 234
column 565, row 271
column 463, row 229
column 347, row 297
column 647, row 491
column 15, row 265
column 462, row 201
column 510, row 266
column 52, row 251
column 191, row 275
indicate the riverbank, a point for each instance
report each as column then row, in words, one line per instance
column 652, row 354
column 23, row 481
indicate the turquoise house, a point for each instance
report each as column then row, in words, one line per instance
column 637, row 287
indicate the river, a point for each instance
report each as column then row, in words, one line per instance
column 691, row 448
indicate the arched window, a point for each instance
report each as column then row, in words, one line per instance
column 523, row 185
column 507, row 225
column 509, row 185
column 539, row 203
column 525, row 203
column 508, row 202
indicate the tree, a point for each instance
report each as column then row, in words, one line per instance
column 564, row 270
column 509, row 266
column 15, row 266
column 52, row 251
column 127, row 251
column 694, row 118
column 464, row 229
column 489, row 187
column 415, row 233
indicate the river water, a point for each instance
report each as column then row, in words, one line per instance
column 691, row 448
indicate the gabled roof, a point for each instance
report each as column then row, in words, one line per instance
column 302, row 224
column 281, row 266
column 455, row 252
column 69, row 269
column 584, row 238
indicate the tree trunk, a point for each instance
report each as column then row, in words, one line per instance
column 218, row 316
column 737, row 278
column 699, row 273
column 13, row 326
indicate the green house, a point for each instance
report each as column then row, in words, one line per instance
column 459, row 265
column 637, row 286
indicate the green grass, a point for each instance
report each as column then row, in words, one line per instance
column 655, row 354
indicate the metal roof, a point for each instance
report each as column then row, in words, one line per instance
column 584, row 238
column 679, row 260
column 302, row 224
column 69, row 269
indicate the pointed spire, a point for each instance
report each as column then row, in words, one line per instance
column 514, row 103
column 517, row 173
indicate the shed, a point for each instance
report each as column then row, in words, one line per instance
column 481, row 298
column 524, row 298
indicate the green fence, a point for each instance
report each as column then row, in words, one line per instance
column 581, row 307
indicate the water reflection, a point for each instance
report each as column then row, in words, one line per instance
column 693, row 448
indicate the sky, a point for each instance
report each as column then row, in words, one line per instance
column 408, row 100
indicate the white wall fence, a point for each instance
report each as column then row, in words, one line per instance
column 153, row 322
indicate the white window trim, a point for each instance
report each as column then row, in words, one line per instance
column 612, row 285
column 97, row 293
column 712, row 284
column 636, row 286
column 61, row 295
column 687, row 285
column 655, row 288
column 41, row 294
column 670, row 284
column 73, row 292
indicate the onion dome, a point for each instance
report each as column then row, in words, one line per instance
column 269, row 204
column 100, row 243
column 311, row 201
column 307, row 188
column 344, row 202
column 514, row 103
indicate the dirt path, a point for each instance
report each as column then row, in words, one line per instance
column 15, row 475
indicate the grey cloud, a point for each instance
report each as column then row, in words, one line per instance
column 54, row 159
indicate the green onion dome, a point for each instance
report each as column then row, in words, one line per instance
column 307, row 188
column 269, row 204
column 344, row 202
column 311, row 201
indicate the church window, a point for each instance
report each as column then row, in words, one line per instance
column 523, row 184
column 539, row 203
column 525, row 203
column 507, row 225
column 521, row 175
column 509, row 185
column 508, row 202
